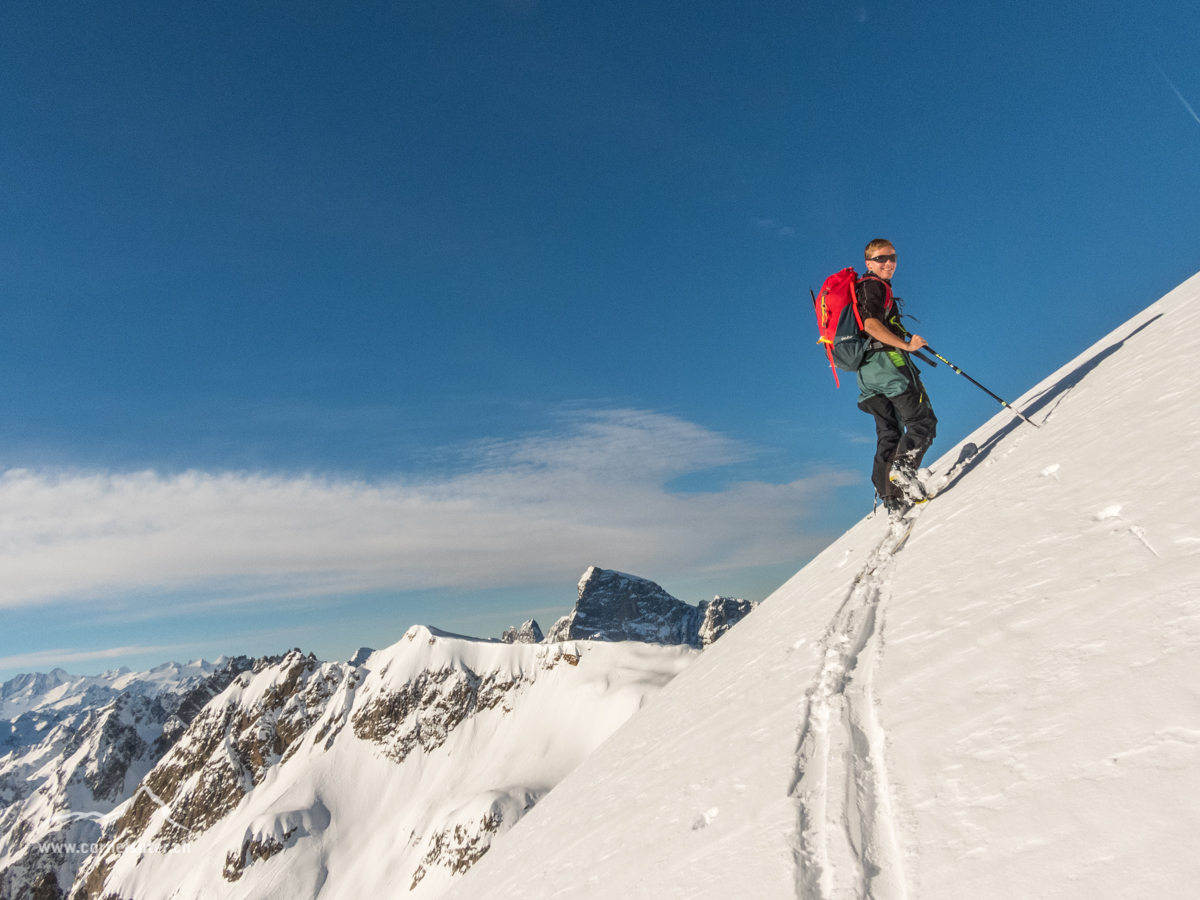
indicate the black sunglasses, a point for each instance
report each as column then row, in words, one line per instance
column 886, row 258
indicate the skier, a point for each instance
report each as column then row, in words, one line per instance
column 890, row 388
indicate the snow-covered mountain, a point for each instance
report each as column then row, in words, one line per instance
column 1004, row 704
column 390, row 777
column 72, row 748
column 241, row 777
column 43, row 694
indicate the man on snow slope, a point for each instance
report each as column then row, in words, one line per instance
column 889, row 387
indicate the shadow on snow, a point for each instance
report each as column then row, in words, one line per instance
column 1055, row 394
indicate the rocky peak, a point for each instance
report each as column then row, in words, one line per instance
column 614, row 606
column 528, row 633
column 360, row 658
column 721, row 614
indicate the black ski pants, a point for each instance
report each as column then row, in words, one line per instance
column 905, row 426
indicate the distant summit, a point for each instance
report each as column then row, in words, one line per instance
column 614, row 606
column 721, row 614
column 528, row 633
column 360, row 658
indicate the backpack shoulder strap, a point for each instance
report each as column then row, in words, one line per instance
column 887, row 303
column 854, row 297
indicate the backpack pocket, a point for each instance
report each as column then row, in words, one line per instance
column 850, row 346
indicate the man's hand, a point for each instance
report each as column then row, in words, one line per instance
column 885, row 335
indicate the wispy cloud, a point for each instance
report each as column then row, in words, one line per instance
column 1171, row 85
column 530, row 510
column 44, row 658
column 773, row 227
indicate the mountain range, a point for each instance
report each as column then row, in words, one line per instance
column 207, row 778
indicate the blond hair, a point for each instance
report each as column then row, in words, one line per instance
column 877, row 244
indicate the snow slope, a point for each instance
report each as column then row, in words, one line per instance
column 1004, row 705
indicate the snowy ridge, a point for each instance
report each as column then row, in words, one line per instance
column 307, row 778
column 1001, row 705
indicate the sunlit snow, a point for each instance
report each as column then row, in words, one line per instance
column 1004, row 707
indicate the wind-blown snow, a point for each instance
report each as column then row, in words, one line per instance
column 1004, row 705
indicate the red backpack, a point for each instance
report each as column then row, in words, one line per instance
column 840, row 322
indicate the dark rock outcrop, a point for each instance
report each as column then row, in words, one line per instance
column 721, row 614
column 423, row 712
column 613, row 606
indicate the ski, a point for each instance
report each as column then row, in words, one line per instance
column 901, row 527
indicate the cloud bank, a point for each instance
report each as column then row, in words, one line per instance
column 523, row 512
column 42, row 658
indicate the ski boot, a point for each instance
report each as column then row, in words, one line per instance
column 896, row 506
column 904, row 477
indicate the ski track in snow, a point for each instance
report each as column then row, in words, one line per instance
column 847, row 844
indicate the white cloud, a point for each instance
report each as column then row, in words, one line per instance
column 44, row 658
column 530, row 510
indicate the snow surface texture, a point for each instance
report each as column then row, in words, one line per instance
column 1002, row 703
column 390, row 778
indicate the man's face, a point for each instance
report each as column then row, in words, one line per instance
column 883, row 268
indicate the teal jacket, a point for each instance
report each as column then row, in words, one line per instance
column 881, row 375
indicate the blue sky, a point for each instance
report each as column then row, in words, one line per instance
column 319, row 321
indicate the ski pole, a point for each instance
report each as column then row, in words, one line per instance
column 978, row 385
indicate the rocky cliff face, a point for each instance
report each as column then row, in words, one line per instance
column 225, row 752
column 75, row 749
column 613, row 606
